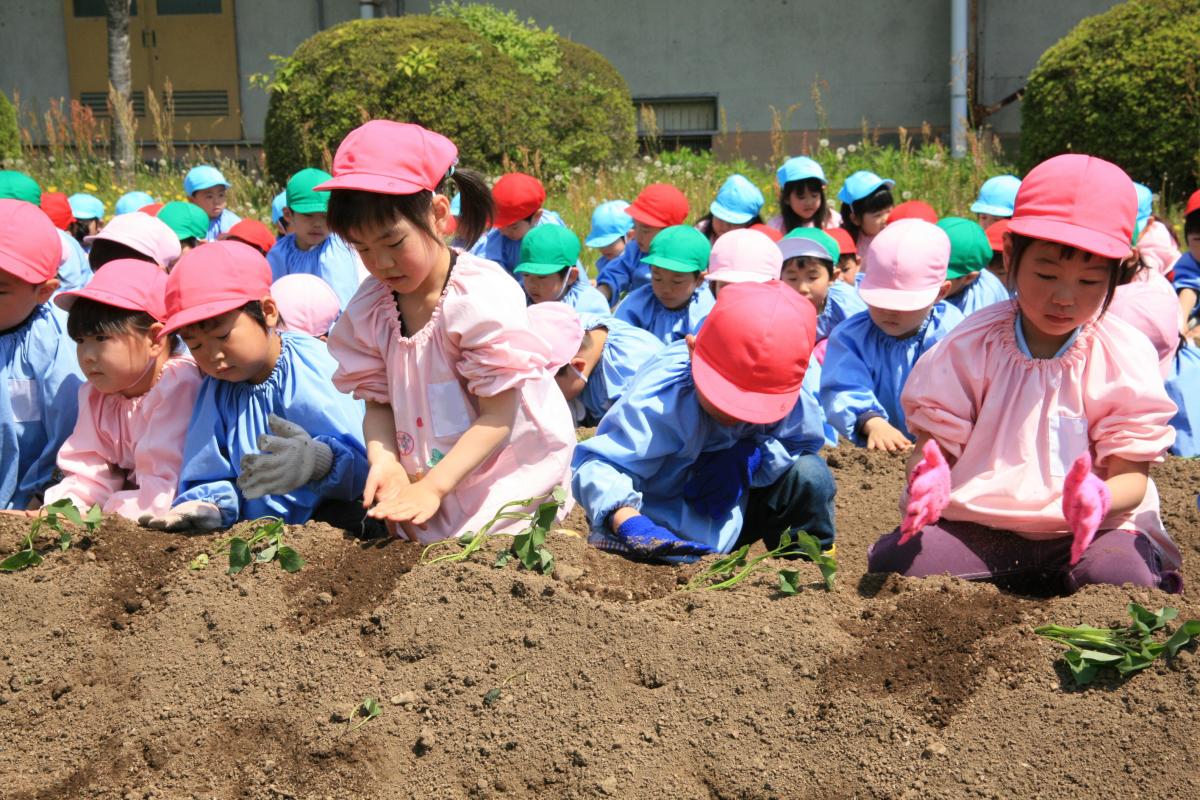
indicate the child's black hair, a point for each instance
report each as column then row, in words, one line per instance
column 705, row 224
column 89, row 317
column 1191, row 224
column 792, row 220
column 104, row 251
column 1120, row 271
column 877, row 200
column 253, row 310
column 352, row 210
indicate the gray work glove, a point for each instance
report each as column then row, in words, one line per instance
column 193, row 515
column 289, row 459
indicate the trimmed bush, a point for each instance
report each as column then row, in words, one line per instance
column 10, row 132
column 1125, row 86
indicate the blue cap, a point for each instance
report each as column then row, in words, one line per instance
column 860, row 184
column 456, row 205
column 997, row 196
column 203, row 177
column 86, row 206
column 277, row 206
column 609, row 223
column 132, row 201
column 1145, row 203
column 800, row 168
column 738, row 202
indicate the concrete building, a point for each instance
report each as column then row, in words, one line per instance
column 706, row 67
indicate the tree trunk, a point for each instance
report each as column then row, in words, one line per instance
column 120, row 90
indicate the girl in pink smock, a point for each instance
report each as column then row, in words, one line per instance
column 462, row 414
column 1038, row 419
column 127, row 448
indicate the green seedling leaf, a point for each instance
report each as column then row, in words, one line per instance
column 547, row 509
column 199, row 562
column 266, row 554
column 289, row 559
column 503, row 558
column 239, row 555
column 1128, row 650
column 20, row 560
column 93, row 518
column 789, row 581
column 366, row 711
column 64, row 540
column 1185, row 634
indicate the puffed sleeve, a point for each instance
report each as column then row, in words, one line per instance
column 941, row 396
column 208, row 472
column 89, row 477
column 355, row 344
column 847, row 386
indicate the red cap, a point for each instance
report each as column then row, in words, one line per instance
column 1080, row 201
column 1193, row 203
column 516, row 196
column 995, row 235
column 774, row 234
column 388, row 157
column 659, row 205
column 151, row 208
column 125, row 283
column 30, row 248
column 212, row 279
column 57, row 209
column 253, row 233
column 914, row 209
column 753, row 349
column 844, row 239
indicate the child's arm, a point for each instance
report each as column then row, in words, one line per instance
column 208, row 474
column 1187, row 304
column 58, row 386
column 89, row 476
column 386, row 476
column 1127, row 482
column 848, row 395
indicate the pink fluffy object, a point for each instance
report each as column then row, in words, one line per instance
column 928, row 491
column 1086, row 501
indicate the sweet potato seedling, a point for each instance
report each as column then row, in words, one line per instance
column 528, row 546
column 49, row 516
column 729, row 571
column 264, row 545
column 1128, row 650
column 364, row 712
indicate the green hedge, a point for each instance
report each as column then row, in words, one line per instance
column 10, row 132
column 1125, row 86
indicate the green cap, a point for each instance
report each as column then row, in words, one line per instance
column 679, row 248
column 548, row 249
column 302, row 198
column 19, row 186
column 970, row 250
column 811, row 243
column 187, row 220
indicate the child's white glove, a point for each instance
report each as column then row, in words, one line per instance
column 289, row 459
column 194, row 515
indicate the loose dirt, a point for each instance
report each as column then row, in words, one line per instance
column 123, row 673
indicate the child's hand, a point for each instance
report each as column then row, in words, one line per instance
column 640, row 536
column 882, row 436
column 928, row 491
column 416, row 503
column 191, row 515
column 1086, row 501
column 385, row 479
column 16, row 512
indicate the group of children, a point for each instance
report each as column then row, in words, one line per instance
column 187, row 369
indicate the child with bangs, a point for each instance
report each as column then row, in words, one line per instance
column 866, row 205
column 802, row 201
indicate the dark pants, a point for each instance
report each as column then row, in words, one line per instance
column 802, row 498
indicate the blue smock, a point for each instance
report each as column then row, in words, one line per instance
column 495, row 246
column 1186, row 275
column 865, row 369
column 39, row 401
column 221, row 224
column 229, row 417
column 812, row 384
column 625, row 273
column 841, row 302
column 333, row 261
column 585, row 298
column 642, row 309
column 646, row 445
column 626, row 349
column 979, row 293
column 1183, row 387
column 74, row 271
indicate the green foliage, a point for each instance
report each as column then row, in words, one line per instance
column 28, row 556
column 528, row 546
column 534, row 51
column 1125, row 86
column 364, row 712
column 730, row 570
column 10, row 131
column 264, row 546
column 1128, row 650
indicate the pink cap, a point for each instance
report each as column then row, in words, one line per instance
column 307, row 304
column 905, row 266
column 744, row 255
column 212, row 279
column 149, row 235
column 559, row 325
column 125, row 283
column 30, row 247
column 388, row 157
column 1080, row 201
column 753, row 349
column 1149, row 304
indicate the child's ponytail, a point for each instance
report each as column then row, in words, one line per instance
column 477, row 207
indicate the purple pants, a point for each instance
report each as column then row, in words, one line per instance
column 975, row 552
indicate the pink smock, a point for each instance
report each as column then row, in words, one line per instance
column 126, row 452
column 1157, row 248
column 478, row 343
column 1013, row 425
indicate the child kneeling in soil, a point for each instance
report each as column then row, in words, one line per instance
column 714, row 444
column 269, row 435
column 462, row 413
column 1023, row 396
column 127, row 448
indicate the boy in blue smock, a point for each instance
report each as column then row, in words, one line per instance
column 870, row 355
column 714, row 443
column 610, row 227
column 206, row 187
column 810, row 258
column 310, row 247
column 972, row 284
column 548, row 266
column 73, row 271
column 1186, row 274
column 518, row 200
column 657, row 207
column 677, row 300
column 39, row 375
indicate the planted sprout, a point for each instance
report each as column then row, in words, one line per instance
column 730, row 570
column 264, row 545
column 1128, row 650
column 528, row 546
column 49, row 516
column 364, row 712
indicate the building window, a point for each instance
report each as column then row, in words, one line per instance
column 97, row 8
column 168, row 7
column 677, row 121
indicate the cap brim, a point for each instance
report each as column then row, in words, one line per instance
column 369, row 182
column 645, row 218
column 738, row 276
column 898, row 299
column 670, row 263
column 758, row 408
column 799, row 248
column 729, row 215
column 22, row 271
column 786, row 179
column 65, row 300
column 1070, row 234
column 602, row 240
column 962, row 271
column 995, row 211
column 188, row 316
column 310, row 208
column 531, row 268
column 204, row 186
column 505, row 221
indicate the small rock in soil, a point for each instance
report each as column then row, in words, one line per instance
column 608, row 786
column 325, row 598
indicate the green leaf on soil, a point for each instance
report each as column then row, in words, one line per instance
column 789, row 581
column 199, row 562
column 20, row 560
column 289, row 559
column 239, row 555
